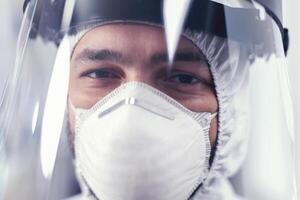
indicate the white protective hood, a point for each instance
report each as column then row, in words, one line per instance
column 229, row 68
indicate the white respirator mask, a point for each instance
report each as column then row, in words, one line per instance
column 138, row 143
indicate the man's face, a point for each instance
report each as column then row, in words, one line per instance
column 111, row 55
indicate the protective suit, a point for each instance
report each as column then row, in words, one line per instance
column 135, row 138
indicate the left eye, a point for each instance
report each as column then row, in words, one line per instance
column 183, row 79
column 97, row 74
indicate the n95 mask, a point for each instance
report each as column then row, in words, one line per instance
column 138, row 143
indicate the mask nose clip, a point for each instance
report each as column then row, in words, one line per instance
column 145, row 106
column 130, row 101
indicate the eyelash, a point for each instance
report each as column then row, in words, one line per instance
column 107, row 72
column 185, row 78
column 173, row 77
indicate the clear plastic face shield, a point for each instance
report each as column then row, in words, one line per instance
column 147, row 100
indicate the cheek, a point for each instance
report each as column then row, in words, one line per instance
column 83, row 94
column 71, row 122
column 71, row 129
column 213, row 131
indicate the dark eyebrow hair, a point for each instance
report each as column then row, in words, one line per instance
column 99, row 55
column 156, row 58
column 184, row 56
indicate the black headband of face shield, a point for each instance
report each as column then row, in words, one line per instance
column 204, row 15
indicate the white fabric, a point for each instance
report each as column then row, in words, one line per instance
column 229, row 66
column 138, row 143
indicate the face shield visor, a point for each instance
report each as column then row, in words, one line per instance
column 147, row 100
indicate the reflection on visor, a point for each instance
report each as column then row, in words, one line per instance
column 175, row 13
column 54, row 112
column 234, row 3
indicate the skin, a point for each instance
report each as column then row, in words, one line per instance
column 110, row 55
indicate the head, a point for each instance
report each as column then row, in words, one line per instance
column 203, row 77
column 111, row 55
column 114, row 54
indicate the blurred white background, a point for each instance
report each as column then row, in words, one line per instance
column 292, row 21
column 10, row 20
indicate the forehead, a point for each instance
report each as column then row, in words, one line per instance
column 130, row 37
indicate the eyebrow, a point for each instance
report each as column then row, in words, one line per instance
column 99, row 55
column 156, row 58
column 181, row 55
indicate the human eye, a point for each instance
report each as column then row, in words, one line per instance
column 183, row 82
column 101, row 74
column 183, row 78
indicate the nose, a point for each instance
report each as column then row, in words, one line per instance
column 140, row 74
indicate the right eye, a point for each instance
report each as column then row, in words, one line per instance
column 101, row 74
